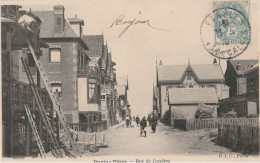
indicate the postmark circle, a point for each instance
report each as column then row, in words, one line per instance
column 225, row 33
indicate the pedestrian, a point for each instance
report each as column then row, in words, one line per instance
column 127, row 121
column 143, row 124
column 149, row 119
column 130, row 120
column 153, row 124
column 137, row 120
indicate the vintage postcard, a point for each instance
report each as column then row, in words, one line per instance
column 133, row 81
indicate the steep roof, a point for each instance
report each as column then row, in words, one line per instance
column 176, row 73
column 192, row 95
column 121, row 90
column 47, row 26
column 245, row 64
column 95, row 43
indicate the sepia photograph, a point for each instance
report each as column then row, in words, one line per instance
column 132, row 81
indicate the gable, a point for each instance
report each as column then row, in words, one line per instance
column 201, row 73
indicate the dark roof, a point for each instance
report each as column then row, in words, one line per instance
column 47, row 26
column 95, row 43
column 245, row 64
column 192, row 96
column 176, row 73
column 76, row 20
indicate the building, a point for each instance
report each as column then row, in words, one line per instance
column 188, row 76
column 184, row 103
column 17, row 138
column 235, row 76
column 122, row 88
column 156, row 110
column 65, row 61
column 242, row 77
column 101, row 58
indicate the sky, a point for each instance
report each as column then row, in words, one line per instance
column 135, row 52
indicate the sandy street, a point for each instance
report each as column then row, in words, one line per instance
column 166, row 141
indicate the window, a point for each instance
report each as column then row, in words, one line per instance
column 91, row 93
column 31, row 62
column 188, row 75
column 103, row 97
column 55, row 55
column 56, row 88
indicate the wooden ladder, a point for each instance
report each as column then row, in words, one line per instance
column 35, row 132
column 56, row 104
column 55, row 145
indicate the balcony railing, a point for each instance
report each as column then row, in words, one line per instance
column 21, row 93
column 89, row 71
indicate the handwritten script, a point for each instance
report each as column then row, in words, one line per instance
column 120, row 21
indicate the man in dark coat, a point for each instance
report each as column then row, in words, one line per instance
column 143, row 124
column 137, row 119
column 153, row 123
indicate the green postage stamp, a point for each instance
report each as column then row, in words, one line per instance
column 226, row 31
column 231, row 22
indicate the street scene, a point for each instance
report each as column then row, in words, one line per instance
column 88, row 81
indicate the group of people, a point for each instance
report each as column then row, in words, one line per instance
column 152, row 121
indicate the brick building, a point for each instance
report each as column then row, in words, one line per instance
column 65, row 55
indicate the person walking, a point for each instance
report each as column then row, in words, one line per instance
column 137, row 120
column 143, row 124
column 130, row 120
column 153, row 124
column 127, row 121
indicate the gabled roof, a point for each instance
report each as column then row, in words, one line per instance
column 95, row 43
column 192, row 96
column 121, row 90
column 244, row 64
column 47, row 26
column 203, row 73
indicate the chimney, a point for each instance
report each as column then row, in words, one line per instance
column 59, row 20
column 238, row 66
column 160, row 62
column 215, row 61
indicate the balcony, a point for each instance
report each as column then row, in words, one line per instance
column 89, row 71
column 21, row 93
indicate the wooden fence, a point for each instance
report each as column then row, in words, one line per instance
column 97, row 126
column 202, row 124
column 239, row 134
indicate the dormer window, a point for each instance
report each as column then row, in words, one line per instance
column 189, row 75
